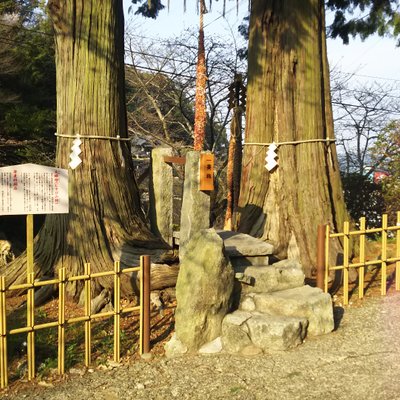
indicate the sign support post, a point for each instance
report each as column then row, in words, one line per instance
column 30, row 315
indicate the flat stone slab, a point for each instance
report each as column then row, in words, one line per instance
column 302, row 302
column 241, row 262
column 240, row 244
column 282, row 275
column 276, row 333
column 242, row 331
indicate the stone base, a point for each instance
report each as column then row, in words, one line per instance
column 239, row 263
column 240, row 244
column 302, row 302
column 242, row 331
column 282, row 275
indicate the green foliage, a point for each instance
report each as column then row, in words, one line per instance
column 379, row 16
column 24, row 8
column 148, row 9
column 386, row 155
column 23, row 121
column 366, row 198
column 27, row 83
column 363, row 198
column 243, row 29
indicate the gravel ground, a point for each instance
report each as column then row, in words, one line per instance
column 360, row 360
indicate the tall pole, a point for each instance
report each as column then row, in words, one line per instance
column 200, row 116
column 236, row 103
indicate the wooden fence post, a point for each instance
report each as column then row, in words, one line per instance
column 3, row 335
column 321, row 256
column 145, row 304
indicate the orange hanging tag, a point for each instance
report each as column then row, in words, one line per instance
column 206, row 171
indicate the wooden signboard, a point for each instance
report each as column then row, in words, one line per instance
column 206, row 171
column 33, row 189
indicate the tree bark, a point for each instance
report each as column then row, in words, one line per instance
column 233, row 170
column 288, row 99
column 200, row 117
column 162, row 276
column 105, row 220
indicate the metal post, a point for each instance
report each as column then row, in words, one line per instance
column 145, row 291
column 321, row 256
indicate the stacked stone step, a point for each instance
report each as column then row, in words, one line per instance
column 275, row 310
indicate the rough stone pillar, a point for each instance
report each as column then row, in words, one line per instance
column 161, row 194
column 195, row 214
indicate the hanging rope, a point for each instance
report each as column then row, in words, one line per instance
column 120, row 139
column 290, row 142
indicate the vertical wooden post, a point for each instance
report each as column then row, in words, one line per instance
column 3, row 335
column 145, row 304
column 61, row 321
column 361, row 271
column 384, row 254
column 117, row 310
column 398, row 252
column 88, row 311
column 321, row 256
column 30, row 277
column 346, row 245
column 326, row 257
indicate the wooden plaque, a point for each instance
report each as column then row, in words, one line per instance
column 206, row 171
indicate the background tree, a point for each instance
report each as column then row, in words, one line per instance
column 363, row 18
column 176, row 59
column 157, row 107
column 361, row 113
column 27, row 84
column 386, row 155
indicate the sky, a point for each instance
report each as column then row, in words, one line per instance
column 376, row 59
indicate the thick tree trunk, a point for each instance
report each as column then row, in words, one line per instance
column 105, row 222
column 288, row 99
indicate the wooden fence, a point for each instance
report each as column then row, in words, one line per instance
column 87, row 318
column 382, row 262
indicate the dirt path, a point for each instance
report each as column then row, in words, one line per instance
column 360, row 360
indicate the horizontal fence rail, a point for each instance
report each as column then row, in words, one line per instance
column 325, row 236
column 87, row 318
